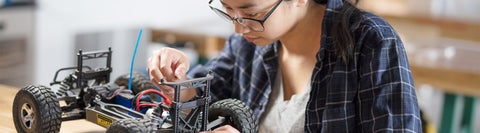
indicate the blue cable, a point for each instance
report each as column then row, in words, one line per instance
column 133, row 60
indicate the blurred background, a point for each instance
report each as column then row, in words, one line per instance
column 442, row 39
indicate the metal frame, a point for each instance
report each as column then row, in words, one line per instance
column 198, row 104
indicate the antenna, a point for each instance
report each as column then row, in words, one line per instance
column 133, row 60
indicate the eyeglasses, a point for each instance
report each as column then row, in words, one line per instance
column 253, row 24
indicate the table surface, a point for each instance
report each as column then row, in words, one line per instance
column 6, row 120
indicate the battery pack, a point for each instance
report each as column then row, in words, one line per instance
column 125, row 99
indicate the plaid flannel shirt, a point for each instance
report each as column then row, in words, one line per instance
column 373, row 93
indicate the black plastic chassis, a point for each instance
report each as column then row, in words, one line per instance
column 89, row 105
column 80, row 83
column 104, row 114
column 81, row 98
column 199, row 106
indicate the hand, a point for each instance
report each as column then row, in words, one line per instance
column 223, row 129
column 168, row 64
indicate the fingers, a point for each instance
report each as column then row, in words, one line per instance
column 165, row 65
column 181, row 70
column 223, row 129
column 156, row 74
column 182, row 64
column 152, row 69
column 168, row 64
column 173, row 64
column 169, row 91
column 227, row 128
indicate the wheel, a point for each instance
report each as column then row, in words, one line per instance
column 236, row 114
column 136, row 125
column 36, row 110
column 139, row 82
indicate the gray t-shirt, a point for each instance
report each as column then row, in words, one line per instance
column 284, row 116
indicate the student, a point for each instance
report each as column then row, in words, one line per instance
column 306, row 66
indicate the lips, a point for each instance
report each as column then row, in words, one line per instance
column 251, row 38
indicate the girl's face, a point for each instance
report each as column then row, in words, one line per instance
column 259, row 21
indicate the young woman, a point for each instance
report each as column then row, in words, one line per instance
column 306, row 66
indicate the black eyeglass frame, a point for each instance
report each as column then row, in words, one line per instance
column 240, row 19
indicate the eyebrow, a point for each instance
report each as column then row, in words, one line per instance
column 244, row 6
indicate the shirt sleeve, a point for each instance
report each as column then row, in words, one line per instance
column 386, row 96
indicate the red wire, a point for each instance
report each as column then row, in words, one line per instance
column 165, row 100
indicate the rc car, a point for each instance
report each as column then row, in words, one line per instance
column 86, row 93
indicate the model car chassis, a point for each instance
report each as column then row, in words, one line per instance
column 87, row 94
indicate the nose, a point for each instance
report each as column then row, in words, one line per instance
column 240, row 29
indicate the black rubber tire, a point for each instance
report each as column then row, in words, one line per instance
column 36, row 110
column 135, row 125
column 140, row 82
column 237, row 115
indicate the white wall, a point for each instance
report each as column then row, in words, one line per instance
column 59, row 21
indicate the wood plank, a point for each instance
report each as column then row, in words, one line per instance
column 205, row 45
column 447, row 28
column 449, row 80
column 6, row 120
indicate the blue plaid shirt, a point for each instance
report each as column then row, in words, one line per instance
column 372, row 93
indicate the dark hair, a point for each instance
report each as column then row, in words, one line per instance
column 343, row 40
column 323, row 2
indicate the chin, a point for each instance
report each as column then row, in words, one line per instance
column 264, row 43
column 260, row 42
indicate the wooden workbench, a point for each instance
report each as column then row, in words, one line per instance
column 453, row 67
column 6, row 120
